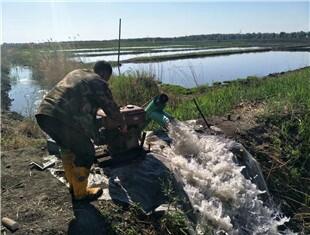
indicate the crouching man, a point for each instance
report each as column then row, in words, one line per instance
column 67, row 114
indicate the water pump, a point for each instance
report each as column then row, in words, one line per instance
column 126, row 146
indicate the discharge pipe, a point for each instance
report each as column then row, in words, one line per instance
column 155, row 111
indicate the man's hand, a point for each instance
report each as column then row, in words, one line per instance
column 101, row 113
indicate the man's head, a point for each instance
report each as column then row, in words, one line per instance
column 161, row 99
column 103, row 69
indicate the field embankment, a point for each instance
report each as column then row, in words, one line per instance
column 158, row 58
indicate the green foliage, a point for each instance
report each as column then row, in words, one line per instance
column 175, row 89
column 5, row 86
column 135, row 88
column 279, row 91
column 288, row 176
column 174, row 222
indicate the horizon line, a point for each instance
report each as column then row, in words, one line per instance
column 161, row 37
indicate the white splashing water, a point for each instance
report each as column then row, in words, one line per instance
column 222, row 197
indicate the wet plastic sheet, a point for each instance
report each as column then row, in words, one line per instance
column 139, row 182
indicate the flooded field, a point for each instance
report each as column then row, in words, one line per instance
column 26, row 92
column 187, row 73
column 207, row 70
column 90, row 56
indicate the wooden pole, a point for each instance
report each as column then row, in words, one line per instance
column 119, row 44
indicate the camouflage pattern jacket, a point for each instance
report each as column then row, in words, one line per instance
column 76, row 99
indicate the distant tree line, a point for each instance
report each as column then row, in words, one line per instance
column 249, row 36
column 282, row 36
column 239, row 36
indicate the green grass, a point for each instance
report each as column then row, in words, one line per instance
column 5, row 86
column 285, row 161
column 135, row 88
column 290, row 90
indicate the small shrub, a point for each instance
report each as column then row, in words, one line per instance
column 134, row 88
column 174, row 222
column 5, row 86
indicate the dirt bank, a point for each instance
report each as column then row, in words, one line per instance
column 42, row 205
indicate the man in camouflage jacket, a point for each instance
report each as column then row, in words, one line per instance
column 67, row 114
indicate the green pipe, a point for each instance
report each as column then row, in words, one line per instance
column 155, row 111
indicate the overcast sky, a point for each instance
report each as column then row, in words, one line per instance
column 63, row 21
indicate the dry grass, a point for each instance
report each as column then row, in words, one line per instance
column 51, row 67
column 19, row 133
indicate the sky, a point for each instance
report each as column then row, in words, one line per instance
column 38, row 21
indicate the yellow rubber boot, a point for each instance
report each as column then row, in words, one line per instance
column 67, row 158
column 79, row 183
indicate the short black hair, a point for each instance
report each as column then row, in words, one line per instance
column 162, row 99
column 102, row 66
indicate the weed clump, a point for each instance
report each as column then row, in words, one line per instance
column 134, row 88
column 5, row 87
column 19, row 132
column 52, row 64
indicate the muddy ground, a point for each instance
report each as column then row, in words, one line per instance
column 42, row 205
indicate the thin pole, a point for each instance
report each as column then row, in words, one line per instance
column 119, row 43
column 201, row 113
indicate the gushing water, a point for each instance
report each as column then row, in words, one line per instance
column 220, row 194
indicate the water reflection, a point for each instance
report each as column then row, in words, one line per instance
column 222, row 68
column 25, row 92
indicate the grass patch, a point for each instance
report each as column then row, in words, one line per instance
column 52, row 67
column 174, row 222
column 135, row 88
column 5, row 86
column 18, row 132
column 289, row 91
column 281, row 144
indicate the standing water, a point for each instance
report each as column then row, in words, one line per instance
column 25, row 92
column 207, row 70
column 219, row 193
